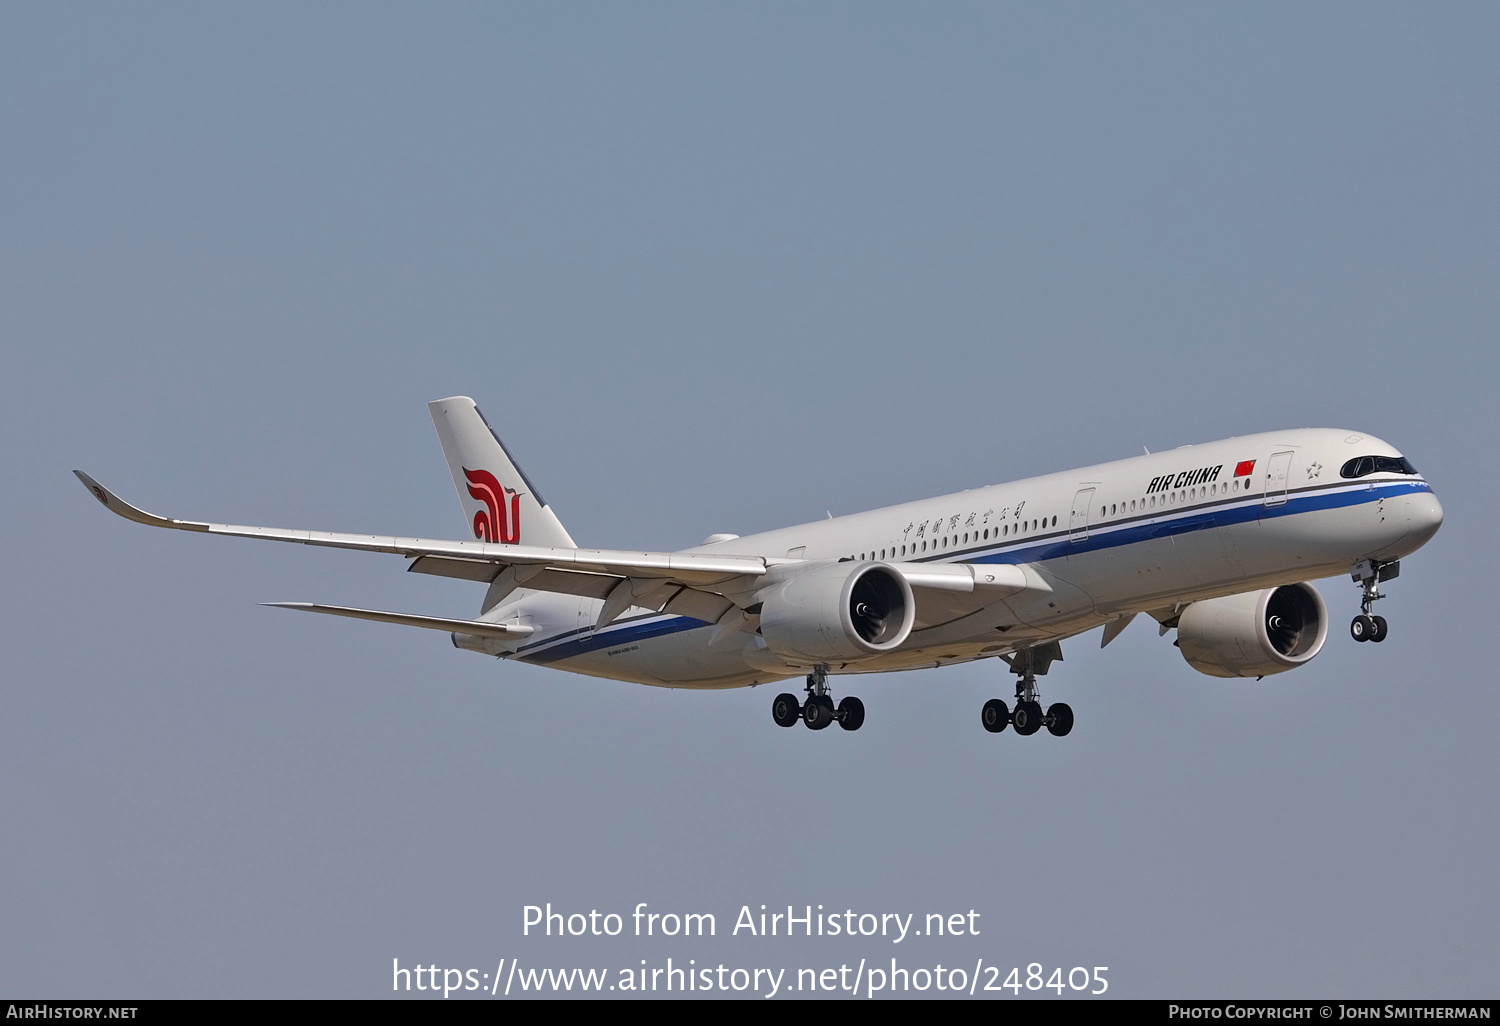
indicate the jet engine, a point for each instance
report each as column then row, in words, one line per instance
column 837, row 613
column 1253, row 634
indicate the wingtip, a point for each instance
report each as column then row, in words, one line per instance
column 120, row 507
column 98, row 490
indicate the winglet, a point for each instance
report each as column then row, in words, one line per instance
column 119, row 506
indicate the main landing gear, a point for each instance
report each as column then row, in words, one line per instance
column 1368, row 574
column 818, row 711
column 1028, row 717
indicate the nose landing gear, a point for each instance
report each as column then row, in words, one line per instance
column 1368, row 574
column 1028, row 717
column 818, row 711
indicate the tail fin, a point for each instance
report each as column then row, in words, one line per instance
column 499, row 501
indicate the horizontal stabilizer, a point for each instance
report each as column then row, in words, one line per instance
column 437, row 623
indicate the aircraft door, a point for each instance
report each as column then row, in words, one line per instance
column 1078, row 521
column 1278, row 469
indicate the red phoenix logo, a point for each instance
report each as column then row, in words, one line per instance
column 492, row 524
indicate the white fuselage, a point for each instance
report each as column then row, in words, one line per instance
column 1151, row 533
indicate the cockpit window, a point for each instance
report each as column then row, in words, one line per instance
column 1363, row 465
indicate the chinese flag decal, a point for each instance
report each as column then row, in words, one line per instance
column 1244, row 468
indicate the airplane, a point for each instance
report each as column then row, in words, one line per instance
column 1216, row 541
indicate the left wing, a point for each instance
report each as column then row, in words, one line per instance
column 705, row 586
column 479, row 560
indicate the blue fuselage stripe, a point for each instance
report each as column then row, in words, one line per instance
column 587, row 640
column 1195, row 518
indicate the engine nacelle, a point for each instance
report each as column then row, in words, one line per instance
column 1254, row 634
column 837, row 613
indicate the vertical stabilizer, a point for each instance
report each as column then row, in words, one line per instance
column 500, row 502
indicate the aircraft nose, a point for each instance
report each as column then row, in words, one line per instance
column 1425, row 516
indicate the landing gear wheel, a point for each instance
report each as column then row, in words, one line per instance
column 786, row 710
column 1369, row 574
column 1027, row 718
column 818, row 713
column 851, row 713
column 995, row 715
column 1059, row 718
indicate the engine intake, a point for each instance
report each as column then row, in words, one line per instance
column 838, row 612
column 1254, row 634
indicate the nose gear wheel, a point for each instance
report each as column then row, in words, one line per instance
column 1368, row 574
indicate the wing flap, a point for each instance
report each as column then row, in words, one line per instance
column 570, row 582
column 481, row 570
